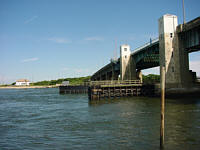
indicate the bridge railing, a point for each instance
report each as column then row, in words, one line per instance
column 114, row 82
column 145, row 45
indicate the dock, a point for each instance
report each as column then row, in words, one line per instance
column 113, row 89
column 98, row 90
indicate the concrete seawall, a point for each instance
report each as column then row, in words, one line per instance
column 190, row 91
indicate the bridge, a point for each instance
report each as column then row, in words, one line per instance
column 171, row 50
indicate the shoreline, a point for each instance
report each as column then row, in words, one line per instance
column 28, row 87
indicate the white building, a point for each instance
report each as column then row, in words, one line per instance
column 22, row 82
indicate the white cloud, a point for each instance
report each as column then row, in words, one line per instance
column 59, row 40
column 30, row 19
column 30, row 59
column 195, row 66
column 155, row 70
column 94, row 39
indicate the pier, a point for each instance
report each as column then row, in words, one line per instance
column 111, row 89
column 114, row 89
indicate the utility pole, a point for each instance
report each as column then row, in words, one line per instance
column 183, row 12
column 162, row 106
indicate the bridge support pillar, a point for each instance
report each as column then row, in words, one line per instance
column 139, row 75
column 127, row 65
column 172, row 53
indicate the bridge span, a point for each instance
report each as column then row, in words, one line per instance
column 171, row 50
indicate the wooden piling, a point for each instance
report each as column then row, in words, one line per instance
column 73, row 89
column 162, row 107
column 113, row 89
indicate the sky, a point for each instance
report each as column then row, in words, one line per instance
column 51, row 39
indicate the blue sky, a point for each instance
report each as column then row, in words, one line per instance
column 50, row 39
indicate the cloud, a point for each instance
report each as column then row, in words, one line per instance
column 155, row 70
column 30, row 59
column 59, row 40
column 30, row 19
column 94, row 39
column 195, row 66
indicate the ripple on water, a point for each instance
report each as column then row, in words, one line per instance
column 43, row 119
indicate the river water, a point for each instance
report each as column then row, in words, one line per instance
column 42, row 119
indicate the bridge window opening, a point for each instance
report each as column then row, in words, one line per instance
column 125, row 56
column 194, row 64
column 171, row 35
column 172, row 54
column 125, row 49
column 154, row 70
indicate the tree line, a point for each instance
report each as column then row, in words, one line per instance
column 72, row 81
column 151, row 78
column 147, row 79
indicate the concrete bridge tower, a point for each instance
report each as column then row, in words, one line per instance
column 127, row 65
column 172, row 53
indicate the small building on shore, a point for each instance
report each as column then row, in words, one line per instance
column 22, row 82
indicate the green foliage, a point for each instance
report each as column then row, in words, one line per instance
column 147, row 79
column 72, row 81
column 13, row 83
column 3, row 85
column 151, row 78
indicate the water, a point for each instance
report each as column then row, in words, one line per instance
column 42, row 119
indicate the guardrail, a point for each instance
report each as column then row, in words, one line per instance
column 106, row 82
column 114, row 82
column 145, row 45
column 77, row 84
